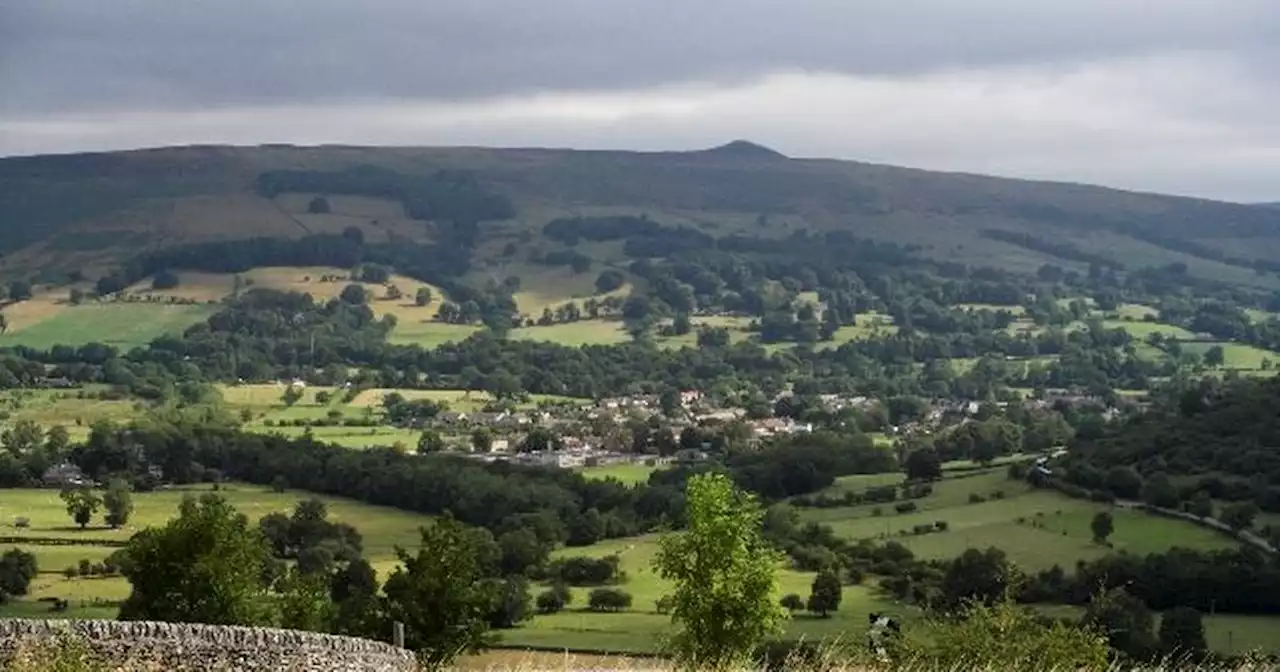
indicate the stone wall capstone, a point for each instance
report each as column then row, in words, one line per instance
column 145, row 645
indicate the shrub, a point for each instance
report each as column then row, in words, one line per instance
column 549, row 602
column 940, row 525
column 905, row 507
column 609, row 599
column 975, row 498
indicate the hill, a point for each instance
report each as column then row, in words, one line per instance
column 90, row 212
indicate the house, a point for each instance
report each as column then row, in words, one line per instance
column 63, row 475
column 452, row 417
column 688, row 397
column 500, row 446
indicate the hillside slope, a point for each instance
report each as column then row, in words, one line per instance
column 90, row 211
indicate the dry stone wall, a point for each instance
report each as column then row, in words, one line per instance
column 145, row 645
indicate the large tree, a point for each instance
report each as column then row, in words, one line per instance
column 119, row 503
column 205, row 566
column 81, row 503
column 824, row 594
column 441, row 595
column 725, row 600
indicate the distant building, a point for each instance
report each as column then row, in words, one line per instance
column 64, row 475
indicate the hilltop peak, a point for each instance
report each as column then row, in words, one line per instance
column 744, row 149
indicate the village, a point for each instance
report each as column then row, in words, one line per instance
column 688, row 426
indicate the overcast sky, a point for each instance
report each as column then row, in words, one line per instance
column 1166, row 95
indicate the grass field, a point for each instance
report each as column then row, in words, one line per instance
column 64, row 407
column 1141, row 330
column 1225, row 633
column 626, row 473
column 1135, row 311
column 640, row 629
column 382, row 529
column 123, row 325
column 1236, row 355
column 1054, row 529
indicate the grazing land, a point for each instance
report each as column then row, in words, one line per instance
column 382, row 528
column 1036, row 528
column 123, row 325
column 641, row 628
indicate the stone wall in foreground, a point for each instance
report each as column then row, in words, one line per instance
column 144, row 645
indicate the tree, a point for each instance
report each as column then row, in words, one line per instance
column 482, row 439
column 292, row 395
column 19, row 290
column 165, row 279
column 1215, row 357
column 1239, row 516
column 1124, row 620
column 76, row 296
column 1124, row 483
column 608, row 599
column 791, row 602
column 1201, row 505
column 422, row 297
column 1182, row 633
column 57, row 440
column 549, row 602
column 511, row 603
column 681, row 325
column 609, row 280
column 441, row 595
column 205, row 566
column 430, row 442
column 394, row 293
column 541, row 439
column 521, row 551
column 81, row 503
column 354, row 295
column 824, row 594
column 17, row 569
column 975, row 575
column 1102, row 526
column 724, row 570
column 318, row 205
column 119, row 503
column 923, row 465
column 1160, row 491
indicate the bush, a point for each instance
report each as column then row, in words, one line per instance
column 940, row 525
column 905, row 507
column 609, row 599
column 549, row 602
column 975, row 498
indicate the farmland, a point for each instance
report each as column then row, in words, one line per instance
column 123, row 325
column 382, row 528
column 1036, row 528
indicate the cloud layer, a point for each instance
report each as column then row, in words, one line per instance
column 1176, row 96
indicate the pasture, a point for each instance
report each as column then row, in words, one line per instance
column 626, row 473
column 1236, row 355
column 118, row 324
column 640, row 629
column 382, row 529
column 76, row 410
column 1036, row 528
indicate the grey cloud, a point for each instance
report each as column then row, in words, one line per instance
column 67, row 56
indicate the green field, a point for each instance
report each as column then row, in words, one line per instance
column 626, row 473
column 583, row 332
column 640, row 628
column 1054, row 529
column 1236, row 355
column 429, row 333
column 1225, row 633
column 123, row 325
column 382, row 528
column 65, row 407
column 1141, row 330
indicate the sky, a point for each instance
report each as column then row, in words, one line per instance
column 1177, row 96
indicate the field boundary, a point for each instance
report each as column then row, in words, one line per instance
column 64, row 541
